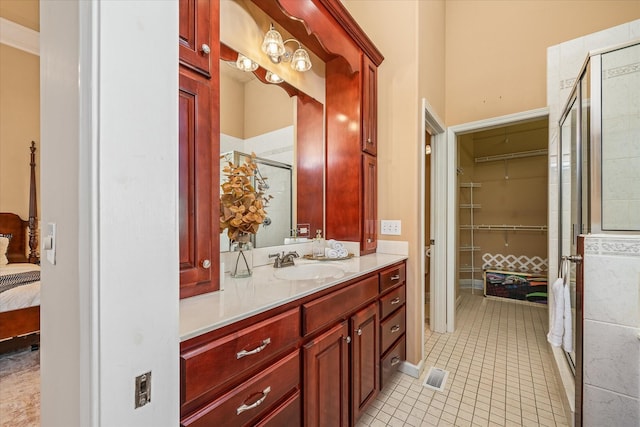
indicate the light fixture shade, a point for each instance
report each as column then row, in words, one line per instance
column 272, row 44
column 300, row 60
column 245, row 64
column 273, row 78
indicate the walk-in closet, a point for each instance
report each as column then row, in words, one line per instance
column 502, row 212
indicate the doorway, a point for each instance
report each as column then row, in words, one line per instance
column 453, row 234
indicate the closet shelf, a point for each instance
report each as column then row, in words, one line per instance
column 470, row 185
column 470, row 206
column 509, row 156
column 504, row 227
column 469, row 248
column 467, row 269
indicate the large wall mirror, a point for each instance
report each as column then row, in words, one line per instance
column 280, row 120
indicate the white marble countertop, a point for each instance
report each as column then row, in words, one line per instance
column 243, row 298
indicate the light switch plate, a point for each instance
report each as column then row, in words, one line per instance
column 390, row 227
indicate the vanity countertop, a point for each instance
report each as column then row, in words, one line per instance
column 243, row 298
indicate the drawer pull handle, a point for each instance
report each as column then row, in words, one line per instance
column 395, row 360
column 396, row 277
column 243, row 353
column 255, row 404
column 395, row 328
column 395, row 301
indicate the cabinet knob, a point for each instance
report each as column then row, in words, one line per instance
column 359, row 331
column 348, row 339
column 205, row 49
column 369, row 240
column 206, row 263
column 369, row 141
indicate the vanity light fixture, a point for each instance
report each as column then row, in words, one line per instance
column 273, row 78
column 245, row 64
column 273, row 46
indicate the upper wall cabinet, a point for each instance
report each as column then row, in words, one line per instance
column 199, row 142
column 369, row 106
column 196, row 39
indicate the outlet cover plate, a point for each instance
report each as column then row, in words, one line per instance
column 390, row 227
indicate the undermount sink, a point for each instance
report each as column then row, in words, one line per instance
column 309, row 272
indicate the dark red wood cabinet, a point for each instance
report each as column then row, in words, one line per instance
column 317, row 361
column 196, row 39
column 199, row 146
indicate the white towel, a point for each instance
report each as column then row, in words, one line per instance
column 342, row 253
column 334, row 244
column 567, row 339
column 557, row 315
column 330, row 253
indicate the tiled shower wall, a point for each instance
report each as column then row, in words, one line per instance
column 611, row 335
column 564, row 62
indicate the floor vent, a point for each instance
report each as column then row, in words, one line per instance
column 436, row 379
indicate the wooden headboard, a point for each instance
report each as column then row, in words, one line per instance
column 12, row 224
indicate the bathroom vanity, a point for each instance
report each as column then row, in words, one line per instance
column 270, row 351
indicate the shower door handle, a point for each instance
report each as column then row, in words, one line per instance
column 572, row 258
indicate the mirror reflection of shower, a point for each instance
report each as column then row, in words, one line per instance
column 275, row 180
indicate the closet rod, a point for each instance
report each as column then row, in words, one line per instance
column 519, row 155
column 505, row 227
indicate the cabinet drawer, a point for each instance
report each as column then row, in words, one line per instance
column 392, row 301
column 391, row 277
column 214, row 363
column 391, row 329
column 389, row 363
column 330, row 308
column 253, row 398
column 289, row 414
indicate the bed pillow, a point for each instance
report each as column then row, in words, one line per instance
column 4, row 244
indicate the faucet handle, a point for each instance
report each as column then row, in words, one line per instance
column 294, row 254
column 276, row 255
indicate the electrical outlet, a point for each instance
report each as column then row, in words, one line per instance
column 390, row 227
column 143, row 389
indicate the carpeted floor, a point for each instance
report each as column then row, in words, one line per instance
column 20, row 389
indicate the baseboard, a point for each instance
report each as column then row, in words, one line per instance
column 411, row 369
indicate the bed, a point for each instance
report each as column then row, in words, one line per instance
column 20, row 304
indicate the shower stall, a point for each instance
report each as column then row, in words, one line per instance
column 278, row 184
column 599, row 154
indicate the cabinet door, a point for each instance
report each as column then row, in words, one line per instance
column 370, row 203
column 196, row 47
column 365, row 368
column 195, row 187
column 326, row 379
column 369, row 106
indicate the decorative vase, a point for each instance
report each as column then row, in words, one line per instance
column 243, row 261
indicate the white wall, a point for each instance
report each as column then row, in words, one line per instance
column 109, row 181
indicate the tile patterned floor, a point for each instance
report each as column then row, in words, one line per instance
column 500, row 373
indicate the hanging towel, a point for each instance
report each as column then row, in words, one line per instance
column 557, row 315
column 567, row 338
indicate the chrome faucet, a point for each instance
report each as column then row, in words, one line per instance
column 283, row 260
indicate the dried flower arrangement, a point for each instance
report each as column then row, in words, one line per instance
column 241, row 205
